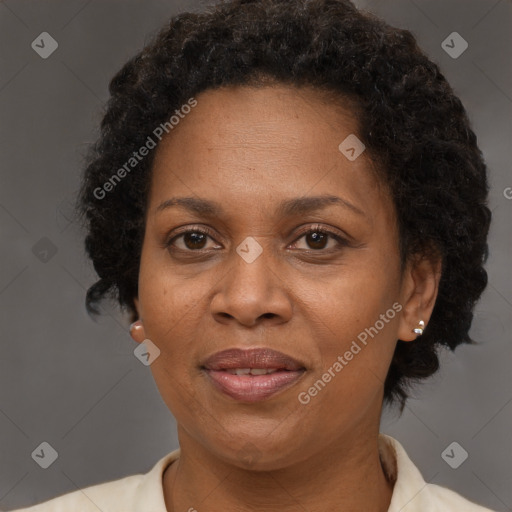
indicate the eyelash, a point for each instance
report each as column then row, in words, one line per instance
column 314, row 229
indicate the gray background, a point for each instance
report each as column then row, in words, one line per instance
column 75, row 383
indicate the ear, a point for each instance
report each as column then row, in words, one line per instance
column 420, row 284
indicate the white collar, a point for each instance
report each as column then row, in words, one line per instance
column 410, row 491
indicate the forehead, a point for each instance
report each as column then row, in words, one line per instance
column 253, row 112
column 248, row 143
column 269, row 125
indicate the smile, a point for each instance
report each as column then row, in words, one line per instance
column 253, row 384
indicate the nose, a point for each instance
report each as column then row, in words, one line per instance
column 252, row 292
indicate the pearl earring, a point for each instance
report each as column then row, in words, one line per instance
column 419, row 330
column 136, row 327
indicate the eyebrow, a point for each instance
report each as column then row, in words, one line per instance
column 289, row 207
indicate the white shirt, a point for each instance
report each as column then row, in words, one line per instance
column 144, row 492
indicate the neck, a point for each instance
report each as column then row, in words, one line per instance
column 345, row 475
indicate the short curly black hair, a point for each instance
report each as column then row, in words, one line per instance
column 410, row 120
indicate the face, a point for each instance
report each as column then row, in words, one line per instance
column 269, row 267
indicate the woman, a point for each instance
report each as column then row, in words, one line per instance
column 289, row 201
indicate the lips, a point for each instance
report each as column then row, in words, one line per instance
column 252, row 375
column 232, row 359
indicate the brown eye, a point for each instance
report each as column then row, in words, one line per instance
column 191, row 240
column 317, row 239
column 194, row 240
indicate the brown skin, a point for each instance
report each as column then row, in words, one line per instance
column 249, row 149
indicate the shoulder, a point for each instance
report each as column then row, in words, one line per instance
column 143, row 491
column 411, row 493
column 445, row 499
column 105, row 496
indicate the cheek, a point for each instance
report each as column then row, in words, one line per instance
column 355, row 298
column 168, row 303
column 351, row 378
column 358, row 316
